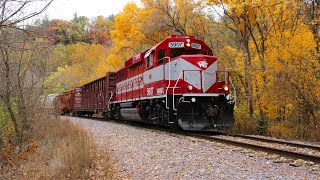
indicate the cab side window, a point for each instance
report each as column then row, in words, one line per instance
column 149, row 60
column 161, row 55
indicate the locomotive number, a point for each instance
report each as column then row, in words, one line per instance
column 176, row 44
column 196, row 46
column 160, row 91
column 150, row 91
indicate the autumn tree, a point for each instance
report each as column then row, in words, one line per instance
column 82, row 63
column 100, row 30
column 21, row 61
column 127, row 39
column 237, row 12
column 81, row 21
column 276, row 54
column 138, row 28
column 23, row 69
column 311, row 9
column 65, row 32
column 176, row 17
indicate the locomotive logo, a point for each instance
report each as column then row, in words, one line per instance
column 203, row 64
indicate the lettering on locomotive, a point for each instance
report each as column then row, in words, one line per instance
column 150, row 91
column 176, row 44
column 196, row 45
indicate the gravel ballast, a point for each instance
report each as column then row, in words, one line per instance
column 142, row 153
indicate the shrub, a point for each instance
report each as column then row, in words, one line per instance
column 289, row 130
column 243, row 124
column 60, row 150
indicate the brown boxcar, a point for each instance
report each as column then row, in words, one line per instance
column 96, row 95
column 77, row 101
column 69, row 102
column 65, row 102
column 91, row 98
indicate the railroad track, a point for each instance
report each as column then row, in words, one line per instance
column 248, row 145
column 288, row 143
column 273, row 150
column 232, row 140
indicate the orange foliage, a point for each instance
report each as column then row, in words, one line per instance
column 86, row 63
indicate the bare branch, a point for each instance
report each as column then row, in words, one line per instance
column 5, row 21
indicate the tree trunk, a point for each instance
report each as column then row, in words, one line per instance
column 243, row 38
column 14, row 121
column 248, row 77
column 7, row 95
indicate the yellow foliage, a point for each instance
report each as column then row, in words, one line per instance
column 243, row 124
column 86, row 63
column 291, row 58
column 281, row 130
column 280, row 48
column 138, row 28
column 127, row 37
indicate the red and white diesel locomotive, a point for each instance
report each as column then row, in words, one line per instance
column 175, row 83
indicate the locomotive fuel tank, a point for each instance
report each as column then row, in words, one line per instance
column 130, row 114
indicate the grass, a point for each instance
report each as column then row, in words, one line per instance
column 58, row 150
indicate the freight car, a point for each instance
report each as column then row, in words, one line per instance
column 89, row 99
column 94, row 96
column 175, row 83
column 65, row 102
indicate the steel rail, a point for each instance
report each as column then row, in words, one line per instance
column 281, row 152
column 292, row 144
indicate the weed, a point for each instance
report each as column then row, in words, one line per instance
column 59, row 150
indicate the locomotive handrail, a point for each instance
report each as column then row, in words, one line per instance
column 167, row 106
column 174, row 106
column 162, row 59
column 235, row 94
column 110, row 100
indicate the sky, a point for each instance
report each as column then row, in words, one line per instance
column 64, row 9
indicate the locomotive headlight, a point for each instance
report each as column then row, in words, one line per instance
column 193, row 99
column 188, row 40
column 190, row 88
column 188, row 44
column 226, row 88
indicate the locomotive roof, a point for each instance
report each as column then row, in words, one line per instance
column 172, row 38
column 169, row 38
